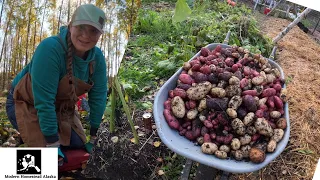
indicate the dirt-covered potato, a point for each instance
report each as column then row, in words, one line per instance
column 202, row 105
column 218, row 92
column 244, row 140
column 251, row 130
column 275, row 114
column 199, row 91
column 263, row 127
column 233, row 90
column 235, row 144
column 278, row 135
column 224, row 148
column 257, row 155
column 262, row 146
column 282, row 123
column 235, row 102
column 222, row 84
column 202, row 118
column 262, row 101
column 221, row 154
column 192, row 114
column 272, row 145
column 209, row 148
column 245, row 150
column 200, row 140
column 258, row 80
column 238, row 155
column 234, row 80
column 238, row 126
column 270, row 78
column 178, row 107
column 232, row 113
column 248, row 119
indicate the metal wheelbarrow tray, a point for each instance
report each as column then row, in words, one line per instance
column 184, row 147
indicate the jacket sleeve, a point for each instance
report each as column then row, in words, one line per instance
column 45, row 71
column 98, row 93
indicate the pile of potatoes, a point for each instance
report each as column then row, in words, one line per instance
column 230, row 102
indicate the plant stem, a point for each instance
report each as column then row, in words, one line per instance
column 113, row 109
column 126, row 109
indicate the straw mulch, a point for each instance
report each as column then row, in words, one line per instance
column 299, row 56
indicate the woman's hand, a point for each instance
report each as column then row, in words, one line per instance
column 89, row 144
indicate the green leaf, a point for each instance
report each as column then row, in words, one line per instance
column 181, row 12
column 306, row 151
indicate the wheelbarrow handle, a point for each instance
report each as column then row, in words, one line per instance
column 226, row 40
column 273, row 53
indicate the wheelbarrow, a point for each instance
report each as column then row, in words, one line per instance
column 184, row 147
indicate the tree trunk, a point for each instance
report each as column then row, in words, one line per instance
column 4, row 78
column 28, row 32
column 35, row 31
column 44, row 13
column 60, row 15
column 2, row 10
column 5, row 34
column 69, row 6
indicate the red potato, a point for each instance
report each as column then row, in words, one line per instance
column 193, row 104
column 228, row 139
column 277, row 87
column 272, row 124
column 213, row 135
column 205, row 69
column 259, row 113
column 234, row 68
column 278, row 102
column 202, row 59
column 255, row 137
column 208, row 124
column 206, row 138
column 196, row 67
column 189, row 135
column 182, row 132
column 229, row 61
column 200, row 77
column 187, row 104
column 244, row 82
column 263, row 107
column 183, row 86
column 211, row 57
column 186, row 79
column 171, row 120
column 268, row 92
column 250, row 92
column 247, row 71
column 195, row 61
column 270, row 102
column 205, row 51
column 171, row 95
column 255, row 73
column 184, row 72
column 180, row 92
column 167, row 104
column 215, row 62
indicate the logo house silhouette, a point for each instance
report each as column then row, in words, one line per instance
column 28, row 161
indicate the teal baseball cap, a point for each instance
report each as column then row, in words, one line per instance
column 89, row 14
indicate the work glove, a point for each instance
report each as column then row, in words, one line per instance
column 89, row 144
column 62, row 158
